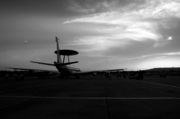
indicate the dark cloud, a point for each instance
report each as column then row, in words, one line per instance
column 41, row 7
column 60, row 7
column 98, row 6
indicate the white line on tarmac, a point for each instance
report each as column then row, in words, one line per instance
column 92, row 98
column 161, row 84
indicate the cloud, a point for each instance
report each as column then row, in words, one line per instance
column 94, row 6
column 98, row 45
column 157, row 55
column 138, row 22
column 117, row 59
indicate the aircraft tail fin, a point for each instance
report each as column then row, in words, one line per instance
column 59, row 61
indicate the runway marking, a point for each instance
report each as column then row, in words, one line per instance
column 92, row 98
column 161, row 84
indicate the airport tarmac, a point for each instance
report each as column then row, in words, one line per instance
column 90, row 98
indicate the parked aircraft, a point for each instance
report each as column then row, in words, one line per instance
column 62, row 66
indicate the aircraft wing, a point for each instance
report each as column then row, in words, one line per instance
column 110, row 70
column 25, row 69
column 62, row 64
column 105, row 70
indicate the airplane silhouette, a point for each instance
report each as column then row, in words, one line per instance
column 62, row 67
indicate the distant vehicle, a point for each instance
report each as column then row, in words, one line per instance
column 62, row 67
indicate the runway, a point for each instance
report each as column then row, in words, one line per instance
column 90, row 98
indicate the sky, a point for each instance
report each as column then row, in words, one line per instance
column 108, row 34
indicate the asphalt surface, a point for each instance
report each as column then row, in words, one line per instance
column 90, row 98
